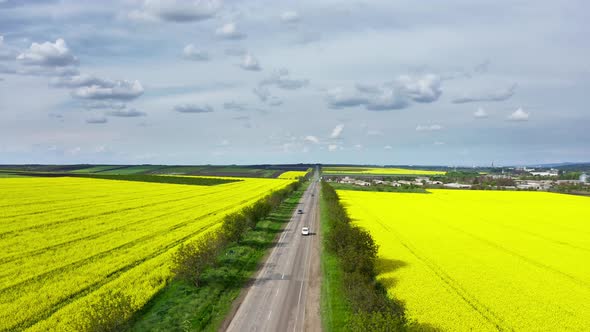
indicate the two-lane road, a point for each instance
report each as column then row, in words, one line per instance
column 285, row 293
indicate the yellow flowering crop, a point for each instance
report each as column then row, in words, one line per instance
column 66, row 241
column 293, row 175
column 378, row 171
column 465, row 260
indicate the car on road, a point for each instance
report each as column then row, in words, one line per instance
column 305, row 231
column 299, row 211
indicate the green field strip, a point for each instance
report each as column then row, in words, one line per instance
column 94, row 169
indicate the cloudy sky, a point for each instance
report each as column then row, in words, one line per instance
column 454, row 82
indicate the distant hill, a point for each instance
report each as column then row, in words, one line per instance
column 566, row 166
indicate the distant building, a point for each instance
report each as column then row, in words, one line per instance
column 534, row 184
column 346, row 180
column 584, row 178
column 551, row 172
column 567, row 181
column 457, row 185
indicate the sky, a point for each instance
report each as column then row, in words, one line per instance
column 455, row 82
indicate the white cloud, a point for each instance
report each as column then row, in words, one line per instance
column 499, row 95
column 104, row 105
column 390, row 95
column 249, row 62
column 519, row 115
column 190, row 52
column 281, row 79
column 388, row 99
column 126, row 113
column 48, row 54
column 79, row 81
column 434, row 127
column 421, row 89
column 340, row 98
column 120, row 90
column 439, row 143
column 388, row 147
column 290, row 17
column 332, row 147
column 193, row 108
column 312, row 139
column 480, row 113
column 229, row 31
column 337, row 131
column 176, row 10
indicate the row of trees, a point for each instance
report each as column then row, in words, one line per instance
column 357, row 253
column 193, row 258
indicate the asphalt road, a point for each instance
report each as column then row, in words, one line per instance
column 285, row 293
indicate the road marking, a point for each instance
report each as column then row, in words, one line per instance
column 300, row 291
column 270, row 313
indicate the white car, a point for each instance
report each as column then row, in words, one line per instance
column 305, row 231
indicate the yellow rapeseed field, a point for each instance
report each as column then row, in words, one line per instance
column 378, row 171
column 482, row 260
column 66, row 241
column 293, row 175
